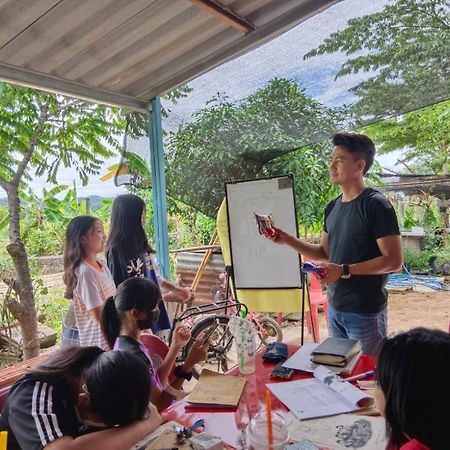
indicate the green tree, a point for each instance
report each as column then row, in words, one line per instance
column 39, row 132
column 231, row 141
column 423, row 136
column 404, row 48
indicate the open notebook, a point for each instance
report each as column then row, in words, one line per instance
column 324, row 395
column 216, row 390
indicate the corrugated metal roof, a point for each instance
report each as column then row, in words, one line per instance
column 125, row 52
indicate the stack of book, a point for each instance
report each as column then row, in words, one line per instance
column 335, row 351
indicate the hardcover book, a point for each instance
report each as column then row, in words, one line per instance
column 335, row 351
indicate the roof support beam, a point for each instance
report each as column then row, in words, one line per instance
column 225, row 15
column 234, row 49
column 159, row 186
column 49, row 83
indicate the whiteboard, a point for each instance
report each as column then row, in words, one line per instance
column 257, row 261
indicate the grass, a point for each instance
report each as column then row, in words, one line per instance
column 51, row 308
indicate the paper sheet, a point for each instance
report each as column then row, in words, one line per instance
column 342, row 432
column 301, row 360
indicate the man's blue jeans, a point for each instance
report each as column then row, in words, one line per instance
column 370, row 328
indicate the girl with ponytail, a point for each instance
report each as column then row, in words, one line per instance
column 134, row 308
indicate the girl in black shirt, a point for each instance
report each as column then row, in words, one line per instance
column 80, row 398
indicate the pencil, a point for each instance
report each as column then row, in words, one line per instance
column 269, row 418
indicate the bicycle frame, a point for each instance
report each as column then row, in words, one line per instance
column 195, row 311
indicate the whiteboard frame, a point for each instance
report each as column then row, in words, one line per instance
column 301, row 278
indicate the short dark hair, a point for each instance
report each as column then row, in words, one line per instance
column 413, row 372
column 358, row 144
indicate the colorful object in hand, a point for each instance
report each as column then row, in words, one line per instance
column 317, row 272
column 265, row 225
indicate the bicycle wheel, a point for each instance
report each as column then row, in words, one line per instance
column 269, row 331
column 221, row 352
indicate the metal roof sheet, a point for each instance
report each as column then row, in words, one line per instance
column 124, row 52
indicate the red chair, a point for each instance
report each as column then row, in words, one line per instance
column 318, row 298
column 158, row 349
column 4, row 391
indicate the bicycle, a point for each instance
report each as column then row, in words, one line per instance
column 206, row 319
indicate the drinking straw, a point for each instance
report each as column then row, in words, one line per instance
column 242, row 356
column 3, row 439
column 269, row 418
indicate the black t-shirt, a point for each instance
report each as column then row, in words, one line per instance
column 353, row 228
column 39, row 410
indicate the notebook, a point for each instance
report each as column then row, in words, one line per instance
column 335, row 351
column 324, row 395
column 216, row 390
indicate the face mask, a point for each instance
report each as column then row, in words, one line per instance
column 150, row 321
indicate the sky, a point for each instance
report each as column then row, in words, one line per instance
column 282, row 57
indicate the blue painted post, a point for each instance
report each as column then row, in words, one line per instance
column 159, row 187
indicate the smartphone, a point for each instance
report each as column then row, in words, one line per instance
column 209, row 332
column 281, row 372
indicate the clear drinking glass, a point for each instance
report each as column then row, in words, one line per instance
column 257, row 437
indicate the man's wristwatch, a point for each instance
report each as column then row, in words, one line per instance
column 179, row 373
column 345, row 272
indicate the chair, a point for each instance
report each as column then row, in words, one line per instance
column 318, row 298
column 4, row 391
column 158, row 350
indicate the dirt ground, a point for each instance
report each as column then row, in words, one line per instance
column 412, row 309
column 407, row 309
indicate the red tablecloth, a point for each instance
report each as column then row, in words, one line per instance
column 226, row 423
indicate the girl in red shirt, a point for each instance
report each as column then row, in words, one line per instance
column 413, row 392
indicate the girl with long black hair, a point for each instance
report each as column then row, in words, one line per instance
column 413, row 389
column 129, row 254
column 80, row 398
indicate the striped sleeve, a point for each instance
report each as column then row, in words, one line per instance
column 45, row 420
column 39, row 413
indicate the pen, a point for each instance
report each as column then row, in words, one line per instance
column 360, row 376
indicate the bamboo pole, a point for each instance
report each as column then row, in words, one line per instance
column 204, row 262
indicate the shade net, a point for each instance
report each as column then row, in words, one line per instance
column 276, row 107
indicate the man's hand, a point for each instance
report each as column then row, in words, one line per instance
column 334, row 272
column 279, row 236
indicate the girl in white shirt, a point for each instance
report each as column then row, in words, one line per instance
column 88, row 280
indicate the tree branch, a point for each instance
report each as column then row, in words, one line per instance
column 3, row 183
column 67, row 106
column 29, row 152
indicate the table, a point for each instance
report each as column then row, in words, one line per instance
column 227, row 423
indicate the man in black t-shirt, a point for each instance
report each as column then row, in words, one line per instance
column 360, row 245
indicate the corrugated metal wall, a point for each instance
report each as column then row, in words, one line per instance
column 187, row 266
